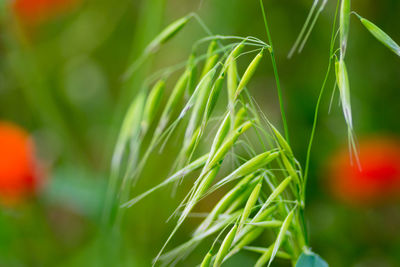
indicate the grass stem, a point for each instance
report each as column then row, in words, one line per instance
column 274, row 66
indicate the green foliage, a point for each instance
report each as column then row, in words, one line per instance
column 249, row 208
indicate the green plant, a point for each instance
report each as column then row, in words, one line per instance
column 245, row 153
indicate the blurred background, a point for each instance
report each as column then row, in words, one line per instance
column 62, row 100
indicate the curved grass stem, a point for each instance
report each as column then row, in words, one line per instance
column 274, row 66
column 306, row 170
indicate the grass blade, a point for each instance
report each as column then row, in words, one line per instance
column 250, row 204
column 278, row 190
column 282, row 233
column 152, row 104
column 303, row 29
column 344, row 25
column 224, row 203
column 248, row 74
column 380, row 35
column 175, row 177
column 225, row 246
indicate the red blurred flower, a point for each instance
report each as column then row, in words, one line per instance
column 36, row 11
column 379, row 177
column 18, row 168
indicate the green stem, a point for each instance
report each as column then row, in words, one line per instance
column 278, row 84
column 319, row 101
column 314, row 127
column 304, row 235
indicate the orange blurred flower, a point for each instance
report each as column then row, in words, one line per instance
column 377, row 181
column 34, row 12
column 18, row 168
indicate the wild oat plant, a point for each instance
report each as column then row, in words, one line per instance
column 246, row 156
